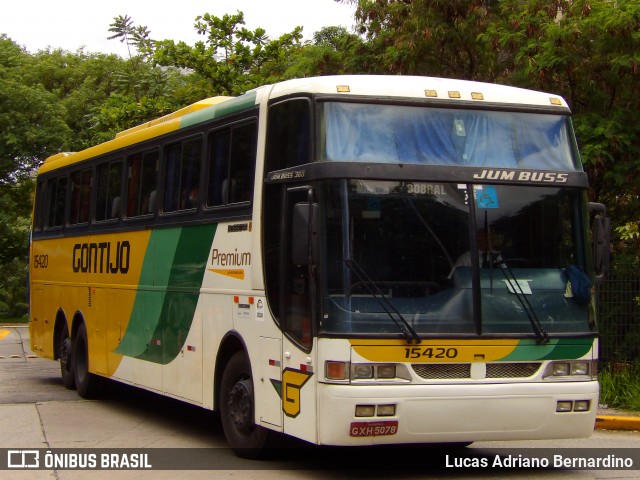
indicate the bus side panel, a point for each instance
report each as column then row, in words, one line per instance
column 118, row 310
column 215, row 311
column 182, row 377
column 36, row 323
column 229, row 302
column 97, row 329
column 52, row 268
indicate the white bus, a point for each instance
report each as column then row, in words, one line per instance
column 348, row 260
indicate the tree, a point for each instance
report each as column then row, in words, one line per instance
column 15, row 212
column 31, row 119
column 437, row 37
column 232, row 58
column 333, row 51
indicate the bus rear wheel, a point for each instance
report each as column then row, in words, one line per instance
column 87, row 384
column 64, row 353
column 237, row 407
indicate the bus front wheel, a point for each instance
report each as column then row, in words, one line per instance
column 87, row 384
column 237, row 401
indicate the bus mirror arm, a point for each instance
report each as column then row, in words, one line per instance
column 304, row 232
column 601, row 231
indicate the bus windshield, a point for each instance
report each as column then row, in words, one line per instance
column 356, row 132
column 450, row 258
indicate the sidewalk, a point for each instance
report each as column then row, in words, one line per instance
column 612, row 419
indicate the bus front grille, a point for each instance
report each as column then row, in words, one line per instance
column 452, row 371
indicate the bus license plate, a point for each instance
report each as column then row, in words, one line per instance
column 373, row 429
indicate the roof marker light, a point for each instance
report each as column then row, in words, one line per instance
column 454, row 94
column 430, row 93
column 343, row 89
column 477, row 96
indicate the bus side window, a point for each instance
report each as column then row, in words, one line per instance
column 80, row 196
column 288, row 141
column 109, row 180
column 143, row 178
column 39, row 206
column 232, row 165
column 57, row 196
column 182, row 175
column 241, row 167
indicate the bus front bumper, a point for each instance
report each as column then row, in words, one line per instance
column 455, row 413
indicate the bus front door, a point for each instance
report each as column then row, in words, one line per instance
column 298, row 354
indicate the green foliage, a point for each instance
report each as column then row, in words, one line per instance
column 334, row 51
column 15, row 210
column 120, row 112
column 31, row 121
column 438, row 38
column 620, row 386
column 232, row 58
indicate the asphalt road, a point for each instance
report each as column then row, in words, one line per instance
column 37, row 412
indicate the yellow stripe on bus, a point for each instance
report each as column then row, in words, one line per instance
column 435, row 350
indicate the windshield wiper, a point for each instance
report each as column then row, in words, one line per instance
column 541, row 334
column 405, row 328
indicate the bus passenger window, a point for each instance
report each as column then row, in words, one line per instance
column 143, row 177
column 57, row 191
column 182, row 173
column 80, row 197
column 108, row 205
column 232, row 165
column 243, row 151
column 38, row 206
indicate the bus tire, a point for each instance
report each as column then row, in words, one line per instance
column 87, row 384
column 64, row 353
column 237, row 407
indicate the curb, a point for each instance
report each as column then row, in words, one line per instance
column 617, row 422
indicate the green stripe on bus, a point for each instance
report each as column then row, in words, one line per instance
column 556, row 349
column 170, row 282
column 228, row 107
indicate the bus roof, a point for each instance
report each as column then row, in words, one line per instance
column 418, row 87
column 381, row 86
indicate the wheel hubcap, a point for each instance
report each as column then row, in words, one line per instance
column 240, row 406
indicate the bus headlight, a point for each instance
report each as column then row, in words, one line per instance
column 361, row 371
column 579, row 368
column 386, row 371
column 372, row 371
column 574, row 369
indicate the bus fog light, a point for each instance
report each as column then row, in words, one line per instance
column 362, row 371
column 335, row 370
column 580, row 368
column 564, row 406
column 581, row 406
column 365, row 410
column 386, row 371
column 386, row 410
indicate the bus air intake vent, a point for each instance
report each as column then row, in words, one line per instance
column 442, row 371
column 511, row 370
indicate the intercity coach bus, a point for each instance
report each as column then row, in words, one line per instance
column 348, row 260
